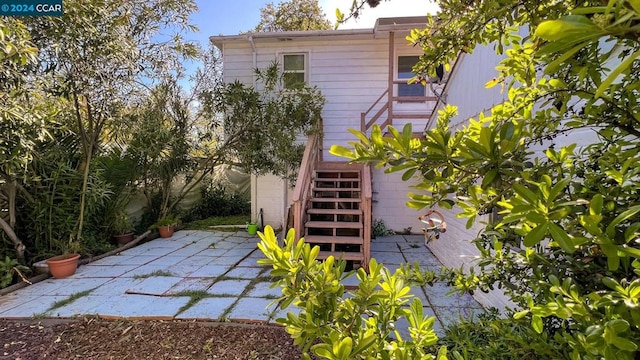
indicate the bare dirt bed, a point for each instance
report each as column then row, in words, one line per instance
column 120, row 339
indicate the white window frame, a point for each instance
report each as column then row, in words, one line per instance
column 398, row 55
column 281, row 57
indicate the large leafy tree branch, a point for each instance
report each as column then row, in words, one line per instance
column 95, row 56
column 292, row 15
column 565, row 244
column 180, row 138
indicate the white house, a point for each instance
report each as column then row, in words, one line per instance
column 363, row 75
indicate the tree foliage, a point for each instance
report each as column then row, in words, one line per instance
column 565, row 244
column 94, row 59
column 292, row 15
column 180, row 138
column 337, row 324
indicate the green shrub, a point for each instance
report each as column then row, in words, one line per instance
column 337, row 324
column 216, row 200
column 493, row 338
column 379, row 228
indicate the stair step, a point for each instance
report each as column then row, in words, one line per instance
column 326, row 179
column 317, row 199
column 354, row 240
column 333, row 225
column 335, row 211
column 345, row 255
column 333, row 171
column 333, row 189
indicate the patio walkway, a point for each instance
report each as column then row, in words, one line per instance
column 203, row 275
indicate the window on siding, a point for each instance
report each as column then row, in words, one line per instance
column 295, row 70
column 405, row 71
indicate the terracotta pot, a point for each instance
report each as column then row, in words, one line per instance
column 165, row 231
column 124, row 238
column 62, row 266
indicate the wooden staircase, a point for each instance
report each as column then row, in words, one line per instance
column 335, row 213
column 331, row 206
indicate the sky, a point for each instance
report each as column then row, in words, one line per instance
column 230, row 17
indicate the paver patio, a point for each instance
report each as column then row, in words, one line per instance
column 156, row 280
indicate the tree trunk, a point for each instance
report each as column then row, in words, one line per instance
column 83, row 193
column 17, row 243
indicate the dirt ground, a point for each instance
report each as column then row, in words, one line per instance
column 120, row 339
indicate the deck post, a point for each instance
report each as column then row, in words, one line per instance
column 391, row 72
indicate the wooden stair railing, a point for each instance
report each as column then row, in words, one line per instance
column 386, row 107
column 302, row 190
column 367, row 195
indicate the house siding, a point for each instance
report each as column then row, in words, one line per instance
column 466, row 90
column 351, row 74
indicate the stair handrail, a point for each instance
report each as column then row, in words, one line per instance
column 364, row 124
column 303, row 183
column 366, row 197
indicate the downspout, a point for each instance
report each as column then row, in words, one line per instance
column 254, row 190
column 255, row 57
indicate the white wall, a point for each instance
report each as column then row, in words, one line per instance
column 390, row 197
column 269, row 193
column 352, row 74
column 466, row 90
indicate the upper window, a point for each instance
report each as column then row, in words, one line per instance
column 295, row 70
column 405, row 71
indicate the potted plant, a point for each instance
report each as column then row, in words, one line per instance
column 65, row 265
column 121, row 228
column 252, row 228
column 166, row 226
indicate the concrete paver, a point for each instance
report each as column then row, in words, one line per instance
column 141, row 306
column 208, row 308
column 32, row 307
column 245, row 272
column 228, row 287
column 155, row 285
column 210, row 271
column 224, row 265
column 104, row 271
column 192, row 284
column 251, row 309
column 264, row 290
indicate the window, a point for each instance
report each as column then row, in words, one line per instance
column 405, row 71
column 295, row 70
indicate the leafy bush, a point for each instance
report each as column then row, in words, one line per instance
column 217, row 201
column 9, row 270
column 565, row 244
column 379, row 228
column 337, row 324
column 493, row 338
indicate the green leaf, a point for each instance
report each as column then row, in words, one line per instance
column 536, row 324
column 341, row 151
column 536, row 235
column 565, row 28
column 635, row 4
column 614, row 74
column 556, row 189
column 344, row 349
column 595, row 206
column 555, row 64
column 561, row 237
column 625, row 215
column 528, row 195
column 624, row 344
column 520, row 314
column 408, row 174
column 488, row 178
